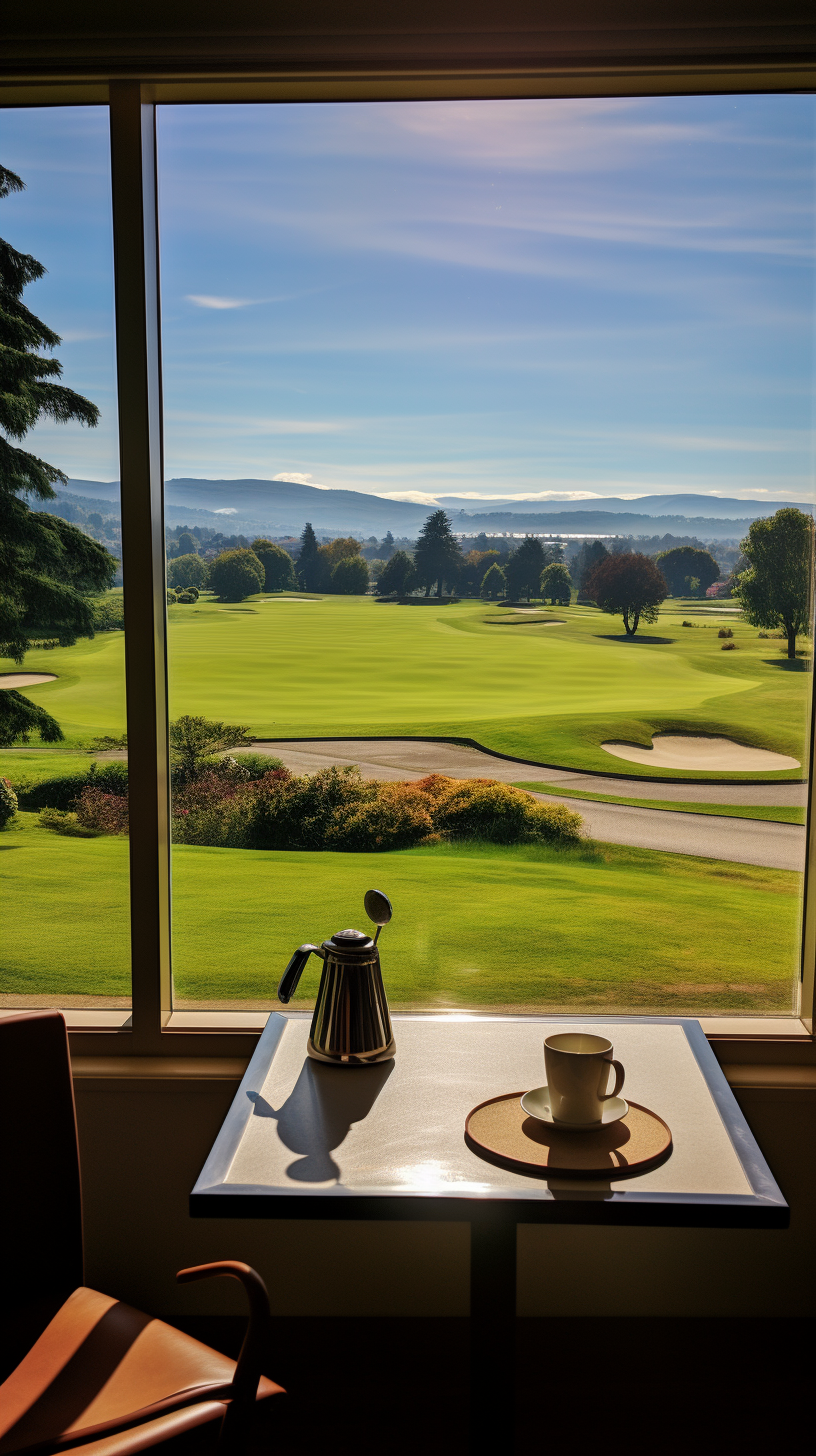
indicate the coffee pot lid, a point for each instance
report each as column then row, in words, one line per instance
column 350, row 939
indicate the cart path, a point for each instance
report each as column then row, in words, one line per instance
column 413, row 758
column 709, row 836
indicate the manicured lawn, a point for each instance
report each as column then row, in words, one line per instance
column 33, row 764
column 473, row 926
column 352, row 666
column 781, row 815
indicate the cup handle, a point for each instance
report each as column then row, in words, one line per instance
column 619, row 1076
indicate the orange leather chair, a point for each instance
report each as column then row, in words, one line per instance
column 81, row 1371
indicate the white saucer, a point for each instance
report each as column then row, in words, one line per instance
column 537, row 1104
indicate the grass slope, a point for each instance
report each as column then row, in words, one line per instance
column 351, row 666
column 780, row 815
column 474, row 926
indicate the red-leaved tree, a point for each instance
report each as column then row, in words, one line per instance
column 628, row 585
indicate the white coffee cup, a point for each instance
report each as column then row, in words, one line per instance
column 577, row 1065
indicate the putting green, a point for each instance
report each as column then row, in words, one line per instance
column 351, row 666
column 622, row 929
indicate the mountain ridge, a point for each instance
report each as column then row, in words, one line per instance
column 283, row 507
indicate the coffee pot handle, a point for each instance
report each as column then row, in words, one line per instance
column 294, row 971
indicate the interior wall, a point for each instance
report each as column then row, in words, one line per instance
column 144, row 1141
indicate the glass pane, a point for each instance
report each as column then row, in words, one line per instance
column 65, row 939
column 556, row 324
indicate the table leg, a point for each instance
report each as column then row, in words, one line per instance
column 492, row 1336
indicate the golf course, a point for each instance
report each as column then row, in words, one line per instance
column 549, row 686
column 593, row 927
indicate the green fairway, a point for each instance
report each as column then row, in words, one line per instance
column 352, row 666
column 523, row 927
column 780, row 815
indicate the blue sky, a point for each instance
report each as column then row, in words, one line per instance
column 562, row 299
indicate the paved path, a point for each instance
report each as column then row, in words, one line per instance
column 711, row 836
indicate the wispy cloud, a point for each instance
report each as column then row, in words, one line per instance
column 209, row 300
column 231, row 425
column 220, row 301
column 296, row 478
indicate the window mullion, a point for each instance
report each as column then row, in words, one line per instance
column 138, row 357
column 807, row 1010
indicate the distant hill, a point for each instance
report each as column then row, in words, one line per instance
column 607, row 523
column 690, row 506
column 282, row 507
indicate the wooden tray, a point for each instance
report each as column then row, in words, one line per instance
column 501, row 1131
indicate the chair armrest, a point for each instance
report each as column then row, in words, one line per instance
column 248, row 1369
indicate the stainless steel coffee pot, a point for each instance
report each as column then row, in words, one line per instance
column 351, row 1025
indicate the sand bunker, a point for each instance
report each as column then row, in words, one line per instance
column 25, row 679
column 695, row 751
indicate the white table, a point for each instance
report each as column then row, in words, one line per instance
column 305, row 1139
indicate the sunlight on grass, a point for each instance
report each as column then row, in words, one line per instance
column 474, row 926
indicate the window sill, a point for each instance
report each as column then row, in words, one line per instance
column 193, row 1036
column 747, row 1047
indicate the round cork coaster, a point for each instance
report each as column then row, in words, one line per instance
column 500, row 1130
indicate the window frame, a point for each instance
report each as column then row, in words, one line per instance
column 153, row 1029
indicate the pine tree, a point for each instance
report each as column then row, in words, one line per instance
column 49, row 570
column 387, row 547
column 590, row 554
column 308, row 565
column 396, row 575
column 438, row 557
column 524, row 568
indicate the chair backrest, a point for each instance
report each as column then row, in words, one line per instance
column 41, row 1207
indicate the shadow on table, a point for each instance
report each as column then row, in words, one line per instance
column 319, row 1111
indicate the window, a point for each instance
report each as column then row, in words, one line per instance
column 343, row 299
column 585, row 320
column 65, row 939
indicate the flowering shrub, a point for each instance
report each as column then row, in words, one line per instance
column 334, row 809
column 292, row 812
column 339, row 810
column 484, row 809
column 213, row 810
column 395, row 819
column 106, row 813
